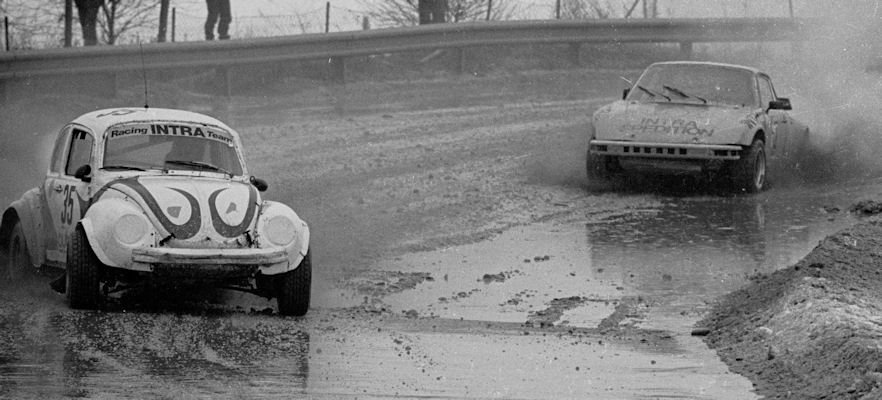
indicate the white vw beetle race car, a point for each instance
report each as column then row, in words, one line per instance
column 699, row 118
column 138, row 195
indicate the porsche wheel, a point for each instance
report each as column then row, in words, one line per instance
column 18, row 260
column 597, row 167
column 293, row 288
column 83, row 268
column 749, row 172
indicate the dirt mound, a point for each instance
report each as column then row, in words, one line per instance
column 813, row 330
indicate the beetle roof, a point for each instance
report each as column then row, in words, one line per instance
column 100, row 120
column 714, row 64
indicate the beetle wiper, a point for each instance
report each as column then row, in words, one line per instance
column 199, row 164
column 651, row 93
column 123, row 168
column 683, row 94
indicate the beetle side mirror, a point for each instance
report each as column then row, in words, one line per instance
column 625, row 93
column 780, row 103
column 260, row 184
column 82, row 173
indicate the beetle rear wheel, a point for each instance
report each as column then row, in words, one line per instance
column 293, row 289
column 83, row 268
column 18, row 260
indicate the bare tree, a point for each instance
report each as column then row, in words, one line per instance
column 122, row 16
column 406, row 12
column 34, row 24
column 587, row 9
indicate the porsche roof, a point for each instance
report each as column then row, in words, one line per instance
column 715, row 64
column 100, row 120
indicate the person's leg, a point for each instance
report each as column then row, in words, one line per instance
column 88, row 17
column 211, row 19
column 223, row 26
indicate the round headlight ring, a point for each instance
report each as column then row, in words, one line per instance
column 280, row 231
column 130, row 229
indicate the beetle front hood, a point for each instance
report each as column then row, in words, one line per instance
column 194, row 208
column 660, row 122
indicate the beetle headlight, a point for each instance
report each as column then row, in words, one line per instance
column 130, row 229
column 279, row 230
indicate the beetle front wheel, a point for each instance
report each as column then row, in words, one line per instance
column 293, row 289
column 83, row 268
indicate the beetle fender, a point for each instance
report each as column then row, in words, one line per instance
column 115, row 227
column 30, row 212
column 297, row 248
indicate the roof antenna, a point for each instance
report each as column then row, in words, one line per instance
column 143, row 72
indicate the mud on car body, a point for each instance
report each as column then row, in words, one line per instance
column 137, row 195
column 699, row 118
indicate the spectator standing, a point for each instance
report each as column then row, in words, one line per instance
column 88, row 13
column 218, row 13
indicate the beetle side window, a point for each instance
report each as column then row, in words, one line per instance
column 766, row 93
column 57, row 162
column 80, row 151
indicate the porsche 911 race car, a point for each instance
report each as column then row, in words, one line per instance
column 137, row 195
column 699, row 118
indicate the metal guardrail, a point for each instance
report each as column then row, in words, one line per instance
column 71, row 61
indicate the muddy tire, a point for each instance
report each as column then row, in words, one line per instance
column 293, row 289
column 18, row 260
column 83, row 269
column 597, row 168
column 749, row 173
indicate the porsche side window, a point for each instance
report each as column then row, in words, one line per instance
column 766, row 93
column 80, row 151
column 57, row 162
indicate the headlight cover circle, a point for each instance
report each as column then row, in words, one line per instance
column 130, row 229
column 279, row 230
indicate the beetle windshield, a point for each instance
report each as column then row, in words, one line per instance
column 171, row 146
column 701, row 83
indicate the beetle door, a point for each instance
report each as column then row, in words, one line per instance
column 67, row 197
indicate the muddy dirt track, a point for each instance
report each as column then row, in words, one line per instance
column 459, row 252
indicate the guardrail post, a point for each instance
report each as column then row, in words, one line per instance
column 459, row 56
column 573, row 54
column 685, row 50
column 336, row 72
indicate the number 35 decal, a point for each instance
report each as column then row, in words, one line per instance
column 67, row 205
column 71, row 197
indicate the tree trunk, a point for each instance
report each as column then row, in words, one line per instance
column 163, row 20
column 68, row 23
column 110, row 18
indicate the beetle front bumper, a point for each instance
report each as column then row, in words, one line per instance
column 189, row 262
